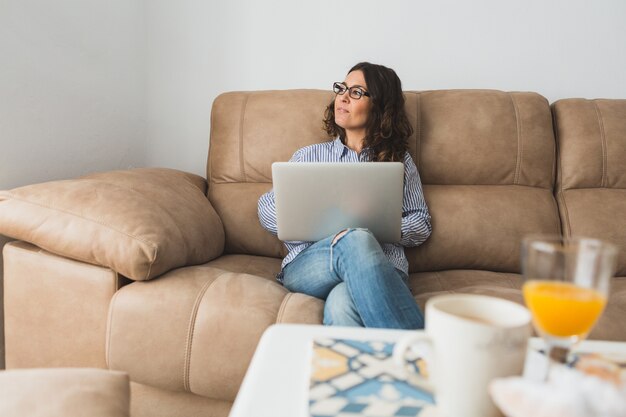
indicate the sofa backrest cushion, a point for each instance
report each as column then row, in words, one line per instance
column 486, row 159
column 591, row 181
column 250, row 131
column 466, row 137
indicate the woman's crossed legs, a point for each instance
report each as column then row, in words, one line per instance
column 361, row 287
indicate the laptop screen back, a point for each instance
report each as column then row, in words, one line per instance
column 315, row 200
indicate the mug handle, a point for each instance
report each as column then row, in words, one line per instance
column 399, row 357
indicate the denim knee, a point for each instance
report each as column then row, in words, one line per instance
column 339, row 309
column 358, row 237
column 359, row 245
column 363, row 234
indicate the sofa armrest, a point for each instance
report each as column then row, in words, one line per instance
column 67, row 392
column 140, row 223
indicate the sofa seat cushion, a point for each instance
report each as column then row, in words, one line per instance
column 195, row 329
column 424, row 285
column 261, row 266
column 504, row 285
column 67, row 392
column 140, row 223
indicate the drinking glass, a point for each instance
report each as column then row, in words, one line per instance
column 566, row 286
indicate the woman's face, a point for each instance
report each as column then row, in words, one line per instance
column 352, row 114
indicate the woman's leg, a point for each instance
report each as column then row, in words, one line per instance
column 340, row 310
column 377, row 288
column 310, row 272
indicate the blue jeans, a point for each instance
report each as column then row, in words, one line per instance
column 360, row 285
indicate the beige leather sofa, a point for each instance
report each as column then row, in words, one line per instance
column 138, row 271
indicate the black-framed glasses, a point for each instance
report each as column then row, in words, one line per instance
column 354, row 92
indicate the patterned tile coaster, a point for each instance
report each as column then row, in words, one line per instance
column 353, row 378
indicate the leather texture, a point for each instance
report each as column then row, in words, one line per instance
column 481, row 226
column 250, row 130
column 130, row 221
column 260, row 266
column 64, row 392
column 50, row 301
column 209, row 322
column 483, row 137
column 591, row 190
column 591, row 143
column 244, row 233
column 594, row 212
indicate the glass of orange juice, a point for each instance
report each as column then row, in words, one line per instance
column 566, row 286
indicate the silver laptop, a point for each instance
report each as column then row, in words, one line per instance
column 317, row 199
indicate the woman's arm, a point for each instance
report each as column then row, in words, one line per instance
column 267, row 212
column 416, row 225
column 267, row 206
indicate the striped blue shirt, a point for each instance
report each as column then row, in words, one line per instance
column 415, row 217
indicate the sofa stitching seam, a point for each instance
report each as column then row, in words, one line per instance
column 283, row 307
column 556, row 161
column 565, row 214
column 209, row 167
column 156, row 254
column 520, row 149
column 603, row 181
column 190, row 332
column 109, row 327
column 241, row 150
column 557, row 218
column 557, row 173
column 559, row 184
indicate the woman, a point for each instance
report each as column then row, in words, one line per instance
column 363, row 282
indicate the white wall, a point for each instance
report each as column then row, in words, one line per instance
column 198, row 49
column 72, row 90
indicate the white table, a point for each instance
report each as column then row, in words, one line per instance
column 277, row 381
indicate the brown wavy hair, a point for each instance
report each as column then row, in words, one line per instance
column 388, row 128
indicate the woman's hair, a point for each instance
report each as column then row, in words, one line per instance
column 388, row 128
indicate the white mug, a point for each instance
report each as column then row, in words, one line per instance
column 468, row 341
